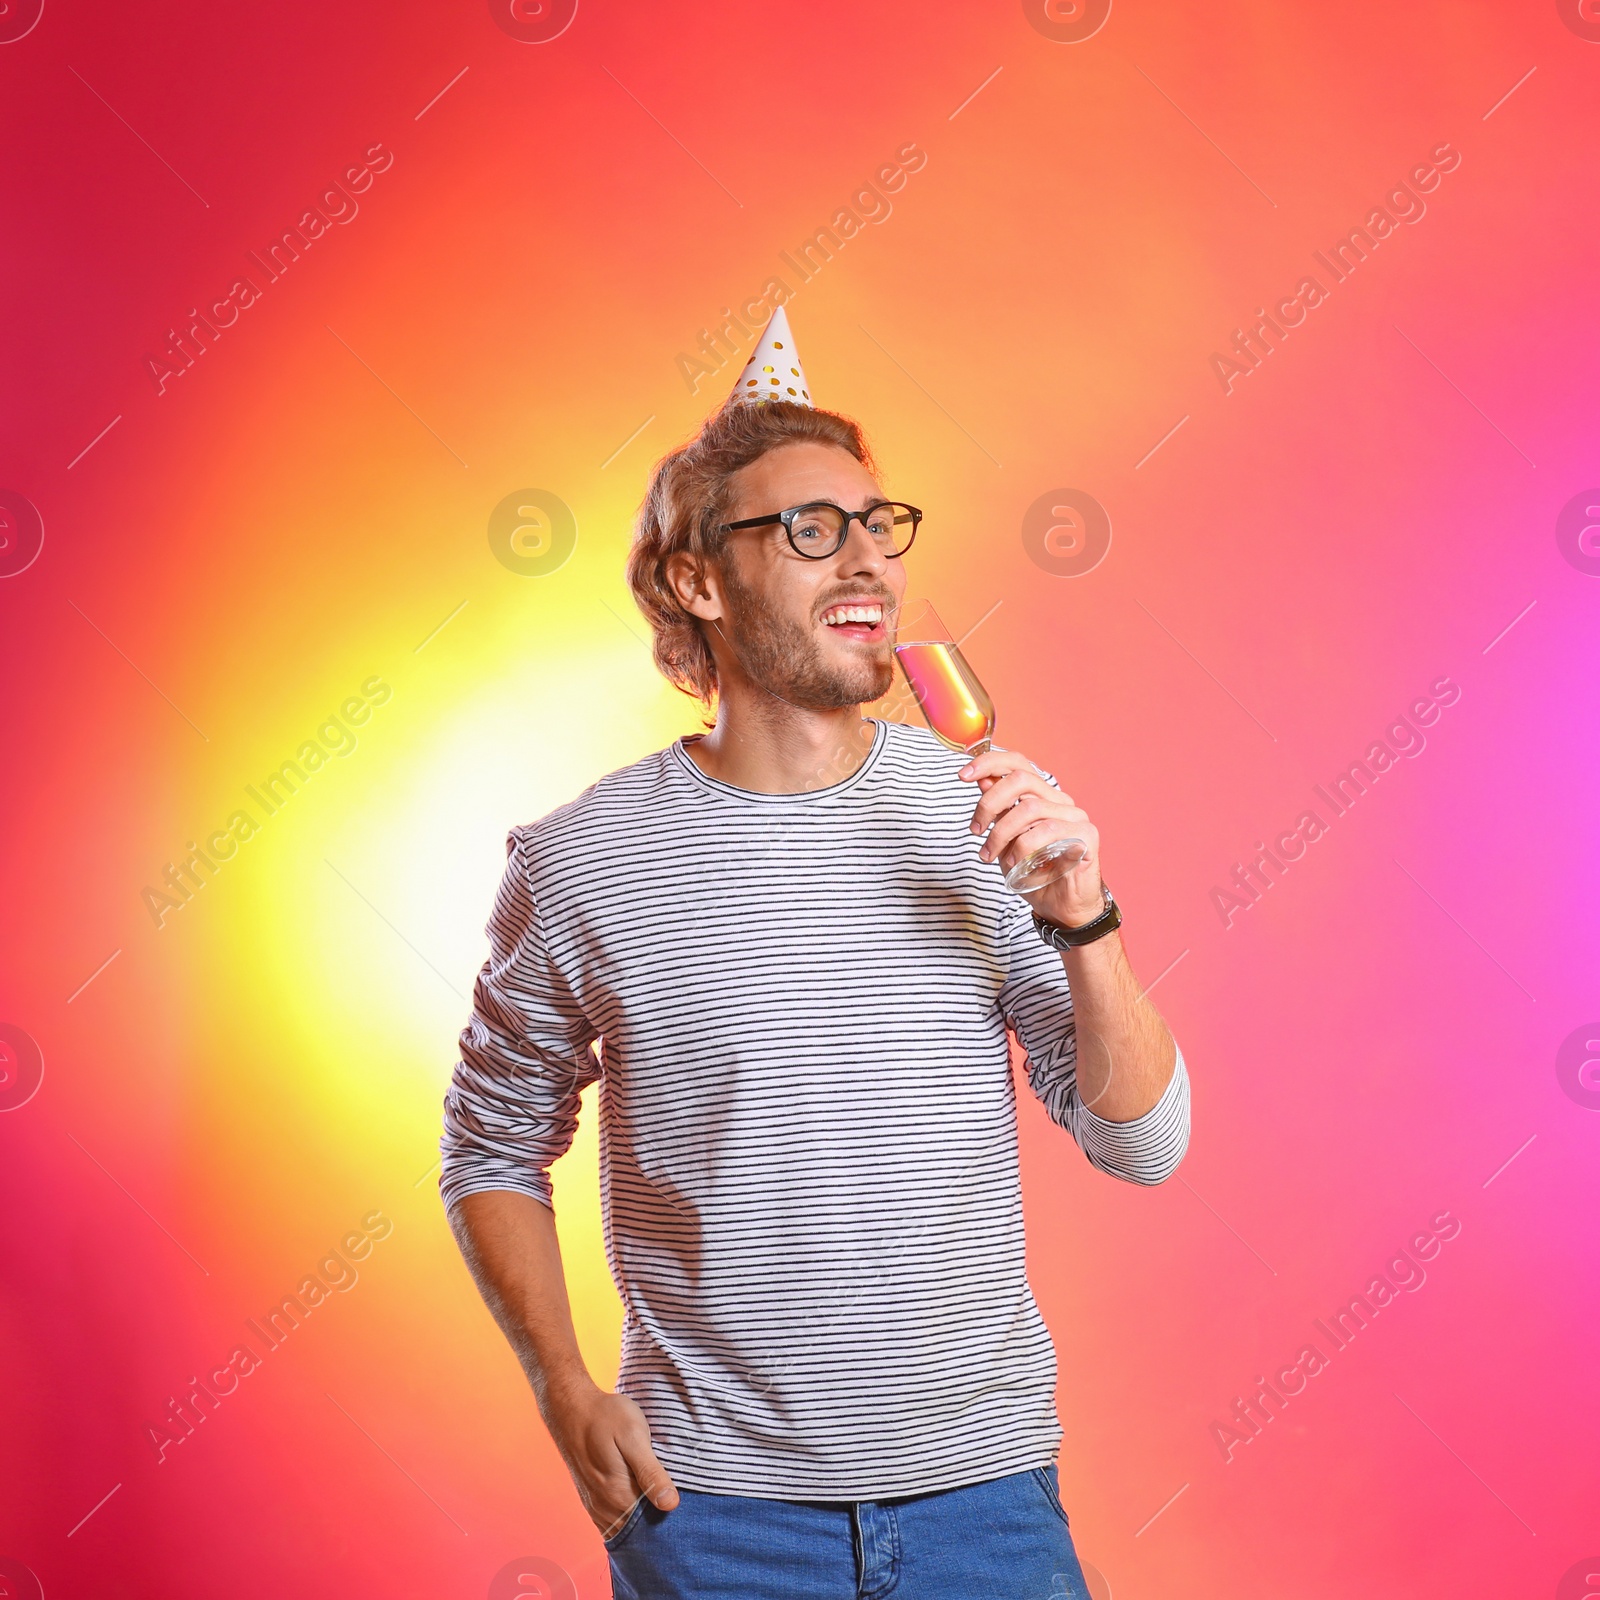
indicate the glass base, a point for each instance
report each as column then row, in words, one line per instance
column 1044, row 865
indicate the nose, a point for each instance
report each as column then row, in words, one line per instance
column 860, row 553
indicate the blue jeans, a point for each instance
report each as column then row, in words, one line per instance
column 1006, row 1539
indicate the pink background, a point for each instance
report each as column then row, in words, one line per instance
column 1372, row 508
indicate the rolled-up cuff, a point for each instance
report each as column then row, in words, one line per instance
column 1148, row 1149
column 472, row 1173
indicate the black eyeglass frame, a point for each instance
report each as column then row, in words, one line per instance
column 787, row 519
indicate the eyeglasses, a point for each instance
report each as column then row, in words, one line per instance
column 819, row 529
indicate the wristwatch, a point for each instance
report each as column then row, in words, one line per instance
column 1059, row 938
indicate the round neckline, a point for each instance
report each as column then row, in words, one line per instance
column 729, row 791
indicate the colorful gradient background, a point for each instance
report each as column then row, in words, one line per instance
column 1375, row 508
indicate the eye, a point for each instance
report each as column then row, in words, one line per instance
column 808, row 530
column 881, row 520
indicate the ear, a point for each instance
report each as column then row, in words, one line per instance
column 695, row 582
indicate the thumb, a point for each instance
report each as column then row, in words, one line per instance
column 653, row 1479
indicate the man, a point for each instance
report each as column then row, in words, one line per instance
column 790, row 938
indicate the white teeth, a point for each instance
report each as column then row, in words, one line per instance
column 868, row 614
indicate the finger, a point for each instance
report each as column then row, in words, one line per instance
column 610, row 1516
column 986, row 784
column 1033, row 777
column 607, row 1485
column 653, row 1479
column 995, row 767
column 1021, row 833
column 993, row 763
column 1006, row 791
column 1028, row 811
column 999, row 792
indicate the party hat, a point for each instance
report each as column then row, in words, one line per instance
column 773, row 371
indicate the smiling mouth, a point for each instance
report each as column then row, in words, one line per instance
column 862, row 619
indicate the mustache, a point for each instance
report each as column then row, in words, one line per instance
column 885, row 598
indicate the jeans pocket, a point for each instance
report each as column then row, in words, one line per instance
column 1045, row 1477
column 614, row 1540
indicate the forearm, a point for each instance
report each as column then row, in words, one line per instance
column 509, row 1241
column 1126, row 1055
column 510, row 1245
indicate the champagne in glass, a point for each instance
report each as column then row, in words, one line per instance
column 961, row 715
column 956, row 705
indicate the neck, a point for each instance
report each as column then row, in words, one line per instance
column 766, row 745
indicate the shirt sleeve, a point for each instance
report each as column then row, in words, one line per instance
column 512, row 1105
column 1036, row 1001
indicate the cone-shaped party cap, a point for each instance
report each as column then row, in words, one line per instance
column 773, row 371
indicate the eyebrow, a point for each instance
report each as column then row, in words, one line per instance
column 880, row 500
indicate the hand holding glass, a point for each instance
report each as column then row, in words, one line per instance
column 961, row 714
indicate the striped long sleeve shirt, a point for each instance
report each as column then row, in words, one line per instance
column 808, row 1129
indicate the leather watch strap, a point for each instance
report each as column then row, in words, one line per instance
column 1059, row 938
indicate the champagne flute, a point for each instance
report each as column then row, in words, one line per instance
column 961, row 715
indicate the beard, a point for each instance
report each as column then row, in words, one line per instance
column 784, row 657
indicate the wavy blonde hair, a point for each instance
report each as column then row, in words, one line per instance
column 689, row 496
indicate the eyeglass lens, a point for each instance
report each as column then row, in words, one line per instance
column 820, row 530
